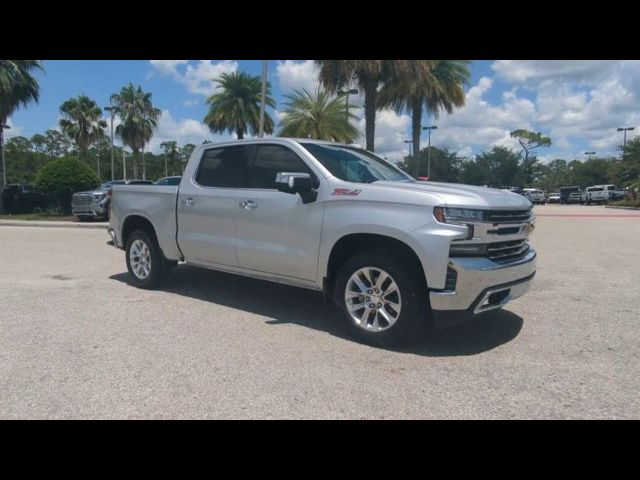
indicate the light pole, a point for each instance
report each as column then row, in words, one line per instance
column 4, row 165
column 433, row 127
column 589, row 154
column 346, row 93
column 265, row 65
column 411, row 155
column 111, row 110
column 124, row 165
column 624, row 145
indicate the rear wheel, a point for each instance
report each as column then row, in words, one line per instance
column 145, row 261
column 383, row 299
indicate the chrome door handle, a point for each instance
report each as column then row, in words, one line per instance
column 248, row 204
column 188, row 201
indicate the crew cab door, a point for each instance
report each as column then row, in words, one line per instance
column 276, row 233
column 208, row 206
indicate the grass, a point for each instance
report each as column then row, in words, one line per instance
column 627, row 202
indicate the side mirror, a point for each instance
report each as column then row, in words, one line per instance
column 297, row 182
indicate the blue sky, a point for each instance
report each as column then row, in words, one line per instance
column 578, row 103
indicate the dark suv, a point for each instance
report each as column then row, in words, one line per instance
column 21, row 198
column 95, row 204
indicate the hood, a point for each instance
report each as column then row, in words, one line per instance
column 465, row 196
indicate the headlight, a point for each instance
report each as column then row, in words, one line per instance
column 447, row 215
column 98, row 196
column 468, row 250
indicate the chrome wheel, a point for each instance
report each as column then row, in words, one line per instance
column 373, row 299
column 140, row 259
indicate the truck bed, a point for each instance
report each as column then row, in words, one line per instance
column 156, row 203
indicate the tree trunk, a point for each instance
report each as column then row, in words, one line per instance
column 370, row 97
column 144, row 166
column 416, row 128
column 4, row 175
column 135, row 164
column 240, row 133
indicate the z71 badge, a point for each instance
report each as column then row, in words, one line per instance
column 346, row 191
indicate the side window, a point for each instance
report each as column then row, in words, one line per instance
column 270, row 160
column 225, row 167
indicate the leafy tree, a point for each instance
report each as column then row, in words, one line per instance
column 317, row 114
column 64, row 176
column 82, row 121
column 236, row 106
column 139, row 118
column 56, row 144
column 18, row 88
column 170, row 152
column 184, row 154
column 369, row 75
column 446, row 166
column 627, row 171
column 440, row 87
column 529, row 141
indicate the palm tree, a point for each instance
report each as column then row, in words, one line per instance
column 236, row 108
column 439, row 87
column 138, row 119
column 317, row 115
column 18, row 88
column 369, row 75
column 82, row 121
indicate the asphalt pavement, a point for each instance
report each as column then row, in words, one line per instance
column 77, row 341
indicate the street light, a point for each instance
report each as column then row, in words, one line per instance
column 112, row 110
column 262, row 97
column 433, row 127
column 353, row 91
column 589, row 154
column 4, row 166
column 624, row 145
column 124, row 165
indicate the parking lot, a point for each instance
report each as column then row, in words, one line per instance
column 76, row 341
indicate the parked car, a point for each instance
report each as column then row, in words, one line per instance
column 169, row 181
column 576, row 197
column 22, row 198
column 554, row 197
column 565, row 191
column 391, row 251
column 596, row 194
column 95, row 204
column 535, row 195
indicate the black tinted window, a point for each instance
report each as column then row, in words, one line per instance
column 270, row 160
column 225, row 167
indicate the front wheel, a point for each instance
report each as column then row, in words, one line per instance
column 145, row 260
column 382, row 298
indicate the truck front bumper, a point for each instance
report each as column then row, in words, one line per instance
column 481, row 286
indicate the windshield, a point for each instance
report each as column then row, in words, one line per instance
column 595, row 189
column 354, row 164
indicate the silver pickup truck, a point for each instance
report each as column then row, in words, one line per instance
column 393, row 253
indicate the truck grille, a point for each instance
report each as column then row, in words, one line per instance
column 508, row 216
column 507, row 251
column 82, row 200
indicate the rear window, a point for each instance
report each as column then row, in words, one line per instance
column 225, row 167
column 595, row 189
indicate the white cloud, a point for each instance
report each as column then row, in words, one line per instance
column 296, row 75
column 12, row 131
column 185, row 130
column 198, row 78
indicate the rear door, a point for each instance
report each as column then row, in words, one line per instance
column 276, row 232
column 208, row 206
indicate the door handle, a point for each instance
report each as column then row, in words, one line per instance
column 248, row 204
column 188, row 201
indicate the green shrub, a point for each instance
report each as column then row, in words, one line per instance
column 63, row 177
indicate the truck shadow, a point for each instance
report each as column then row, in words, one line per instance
column 283, row 304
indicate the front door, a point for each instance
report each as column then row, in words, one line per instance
column 275, row 232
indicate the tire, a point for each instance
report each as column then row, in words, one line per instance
column 151, row 271
column 413, row 314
